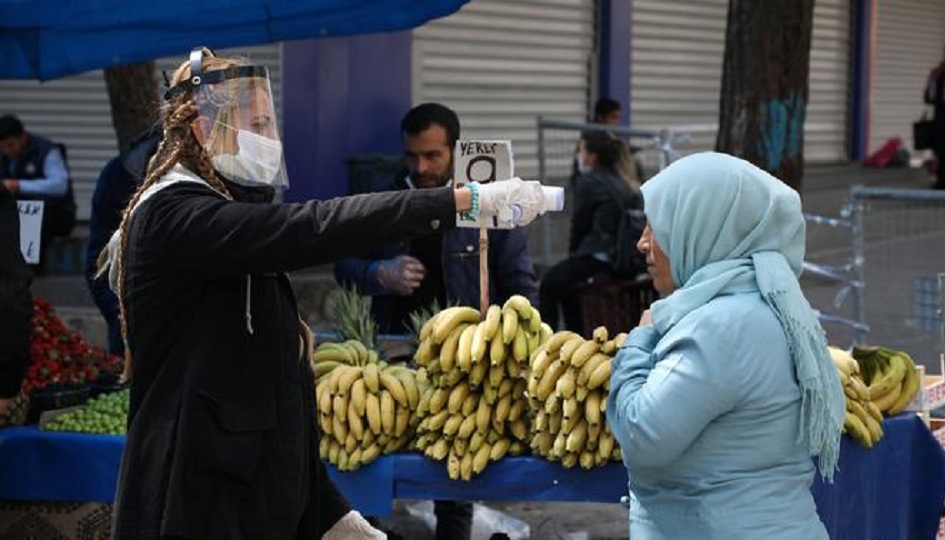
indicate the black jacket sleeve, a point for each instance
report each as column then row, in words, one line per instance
column 189, row 229
column 16, row 302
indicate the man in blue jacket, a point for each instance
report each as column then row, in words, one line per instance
column 439, row 267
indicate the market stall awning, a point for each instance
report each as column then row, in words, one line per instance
column 47, row 39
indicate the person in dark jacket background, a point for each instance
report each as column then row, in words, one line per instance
column 35, row 168
column 441, row 267
column 117, row 182
column 935, row 96
column 607, row 172
column 16, row 302
column 222, row 442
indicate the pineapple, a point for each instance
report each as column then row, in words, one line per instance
column 354, row 317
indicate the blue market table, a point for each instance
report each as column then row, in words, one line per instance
column 894, row 491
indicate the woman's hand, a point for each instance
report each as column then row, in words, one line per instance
column 353, row 527
column 645, row 319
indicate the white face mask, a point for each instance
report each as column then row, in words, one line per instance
column 257, row 163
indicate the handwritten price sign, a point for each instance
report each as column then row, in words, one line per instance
column 31, row 225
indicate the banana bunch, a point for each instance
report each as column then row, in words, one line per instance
column 365, row 408
column 475, row 411
column 891, row 377
column 864, row 421
column 327, row 356
column 568, row 382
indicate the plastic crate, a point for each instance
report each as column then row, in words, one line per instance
column 615, row 303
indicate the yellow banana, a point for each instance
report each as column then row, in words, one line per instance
column 325, row 367
column 586, row 459
column 387, row 412
column 449, row 349
column 496, row 352
column 372, row 409
column 496, row 374
column 324, row 397
column 358, row 396
column 516, row 410
column 370, row 453
column 499, row 449
column 475, row 441
column 859, row 388
column 466, row 428
column 910, row 385
column 464, row 348
column 600, row 376
column 471, row 404
column 324, row 353
column 600, row 334
column 339, row 428
column 892, row 376
column 426, row 353
column 452, row 425
column 466, row 467
column 564, row 387
column 885, row 401
column 409, row 381
column 549, row 378
column 449, row 318
column 592, row 408
column 873, row 411
column 608, row 347
column 588, row 368
column 534, row 322
column 856, row 429
column 483, row 415
column 585, row 351
column 395, row 388
column 520, row 304
column 457, row 397
column 477, row 350
column 545, row 333
column 519, row 429
column 452, row 465
column 355, row 424
column 491, row 326
column 502, row 408
column 360, row 351
column 569, row 347
column 605, row 445
column 481, row 459
column 577, row 437
column 509, row 324
column 437, row 421
column 372, row 381
column 427, row 329
column 438, row 400
column 478, row 373
column 340, row 406
column 620, row 338
column 554, row 423
column 520, row 345
column 401, row 421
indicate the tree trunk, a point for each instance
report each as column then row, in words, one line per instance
column 764, row 85
column 133, row 93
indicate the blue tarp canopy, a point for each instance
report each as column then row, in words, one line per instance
column 47, row 39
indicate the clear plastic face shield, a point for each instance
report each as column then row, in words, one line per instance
column 236, row 123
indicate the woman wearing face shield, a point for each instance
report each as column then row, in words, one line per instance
column 222, row 441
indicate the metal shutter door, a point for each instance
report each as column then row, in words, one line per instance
column 676, row 72
column 75, row 111
column 909, row 37
column 500, row 65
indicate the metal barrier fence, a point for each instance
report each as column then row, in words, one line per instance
column 899, row 250
column 893, row 274
column 557, row 144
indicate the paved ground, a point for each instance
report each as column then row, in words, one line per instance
column 824, row 193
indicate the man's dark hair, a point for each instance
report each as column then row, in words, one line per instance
column 10, row 126
column 605, row 106
column 421, row 117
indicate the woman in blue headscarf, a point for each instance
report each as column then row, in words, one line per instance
column 723, row 395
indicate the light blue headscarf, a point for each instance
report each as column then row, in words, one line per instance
column 725, row 225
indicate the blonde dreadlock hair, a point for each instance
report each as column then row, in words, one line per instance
column 179, row 145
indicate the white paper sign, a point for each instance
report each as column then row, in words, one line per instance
column 31, row 224
column 483, row 162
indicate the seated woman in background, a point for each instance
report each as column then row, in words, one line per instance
column 608, row 184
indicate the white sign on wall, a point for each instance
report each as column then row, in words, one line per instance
column 31, row 225
column 483, row 162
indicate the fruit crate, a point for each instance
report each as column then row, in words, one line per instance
column 933, row 393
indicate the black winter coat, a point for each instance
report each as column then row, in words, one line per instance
column 222, row 442
column 597, row 212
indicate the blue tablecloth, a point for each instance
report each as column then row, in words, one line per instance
column 893, row 492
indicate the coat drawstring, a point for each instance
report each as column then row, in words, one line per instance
column 249, row 314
